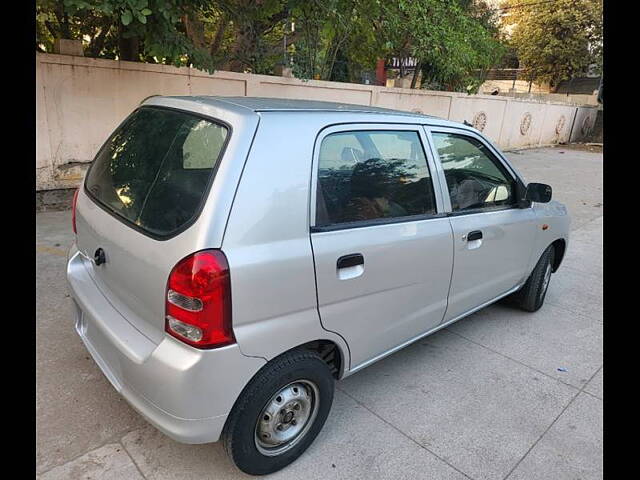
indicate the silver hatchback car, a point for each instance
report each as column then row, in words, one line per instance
column 236, row 256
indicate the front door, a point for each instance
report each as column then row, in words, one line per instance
column 492, row 236
column 382, row 245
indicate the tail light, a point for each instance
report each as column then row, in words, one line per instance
column 198, row 302
column 73, row 210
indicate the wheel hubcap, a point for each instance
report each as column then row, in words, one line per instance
column 287, row 417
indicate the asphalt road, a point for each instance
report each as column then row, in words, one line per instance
column 500, row 394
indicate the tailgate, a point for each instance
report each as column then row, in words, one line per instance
column 134, row 276
column 140, row 203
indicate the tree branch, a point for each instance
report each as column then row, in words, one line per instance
column 97, row 43
column 52, row 29
column 217, row 39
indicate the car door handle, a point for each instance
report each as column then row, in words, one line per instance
column 475, row 235
column 350, row 260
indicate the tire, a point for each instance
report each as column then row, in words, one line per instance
column 298, row 383
column 532, row 294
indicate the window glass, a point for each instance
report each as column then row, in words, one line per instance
column 155, row 169
column 476, row 179
column 203, row 139
column 368, row 175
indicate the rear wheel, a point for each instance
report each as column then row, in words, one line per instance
column 531, row 296
column 279, row 413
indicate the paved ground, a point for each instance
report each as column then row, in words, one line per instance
column 501, row 394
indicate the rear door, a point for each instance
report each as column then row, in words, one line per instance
column 492, row 235
column 382, row 246
column 147, row 185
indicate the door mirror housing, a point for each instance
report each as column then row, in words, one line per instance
column 538, row 192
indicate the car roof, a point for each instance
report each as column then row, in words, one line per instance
column 267, row 104
column 256, row 105
column 264, row 104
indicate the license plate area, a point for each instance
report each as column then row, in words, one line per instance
column 103, row 352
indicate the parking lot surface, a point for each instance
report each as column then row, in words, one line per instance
column 500, row 394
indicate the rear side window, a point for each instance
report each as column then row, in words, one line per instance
column 371, row 175
column 154, row 171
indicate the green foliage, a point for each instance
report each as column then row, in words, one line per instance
column 446, row 38
column 451, row 40
column 556, row 41
column 341, row 40
column 149, row 30
column 257, row 27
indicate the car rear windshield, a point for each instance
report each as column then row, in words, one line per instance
column 154, row 171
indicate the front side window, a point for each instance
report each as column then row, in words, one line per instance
column 155, row 169
column 371, row 175
column 475, row 178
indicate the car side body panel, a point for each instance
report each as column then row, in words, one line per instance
column 400, row 290
column 496, row 263
column 274, row 302
column 555, row 216
column 493, row 265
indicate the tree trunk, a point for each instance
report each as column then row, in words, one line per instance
column 194, row 29
column 217, row 40
column 241, row 49
column 128, row 48
column 97, row 44
column 416, row 72
column 63, row 22
column 52, row 29
column 66, row 31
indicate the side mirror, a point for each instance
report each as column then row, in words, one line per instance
column 538, row 192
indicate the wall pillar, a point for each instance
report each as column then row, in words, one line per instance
column 381, row 74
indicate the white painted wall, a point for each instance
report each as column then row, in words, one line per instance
column 79, row 101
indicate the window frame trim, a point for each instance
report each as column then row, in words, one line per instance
column 431, row 129
column 376, row 222
column 365, row 127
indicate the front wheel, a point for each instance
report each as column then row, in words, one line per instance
column 531, row 296
column 279, row 413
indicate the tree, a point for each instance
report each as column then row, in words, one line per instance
column 257, row 28
column 322, row 36
column 332, row 39
column 451, row 40
column 134, row 30
column 556, row 40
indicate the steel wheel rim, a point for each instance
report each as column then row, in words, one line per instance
column 287, row 417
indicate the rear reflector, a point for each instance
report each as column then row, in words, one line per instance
column 73, row 210
column 198, row 301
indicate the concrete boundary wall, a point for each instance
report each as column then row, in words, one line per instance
column 79, row 101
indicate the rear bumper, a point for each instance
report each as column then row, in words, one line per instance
column 184, row 392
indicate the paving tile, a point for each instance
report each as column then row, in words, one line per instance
column 595, row 387
column 575, row 176
column 354, row 443
column 474, row 408
column 550, row 339
column 110, row 462
column 590, row 232
column 583, row 257
column 571, row 449
column 77, row 409
column 577, row 292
